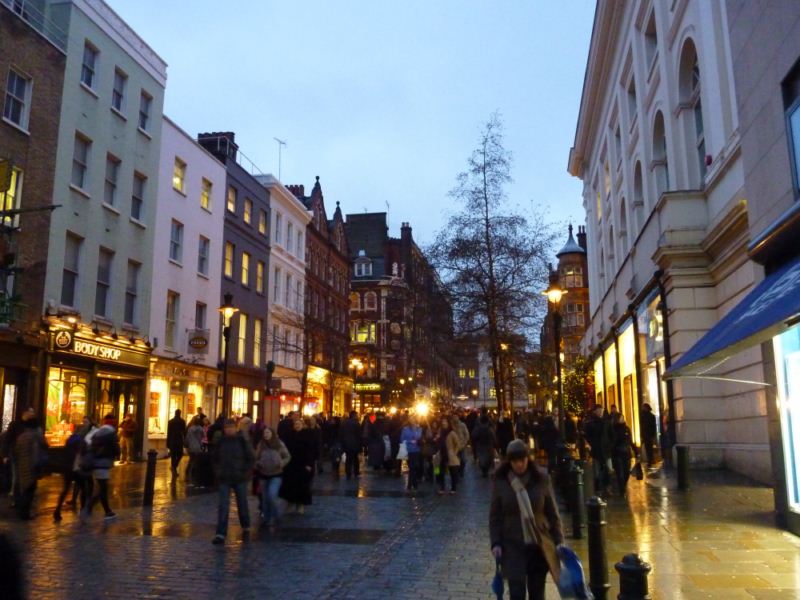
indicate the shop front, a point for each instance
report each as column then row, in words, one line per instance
column 94, row 375
column 19, row 369
column 368, row 396
column 176, row 385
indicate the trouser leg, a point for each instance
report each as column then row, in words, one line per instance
column 454, row 472
column 223, row 509
column 102, row 484
column 241, row 504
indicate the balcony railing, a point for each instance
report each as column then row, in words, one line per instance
column 28, row 11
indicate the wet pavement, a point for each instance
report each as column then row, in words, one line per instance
column 367, row 539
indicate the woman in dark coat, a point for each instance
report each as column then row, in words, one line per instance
column 504, row 433
column 483, row 443
column 296, row 485
column 524, row 525
column 376, row 449
column 622, row 449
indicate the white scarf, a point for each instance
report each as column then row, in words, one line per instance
column 529, row 531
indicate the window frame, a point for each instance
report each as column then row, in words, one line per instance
column 118, row 95
column 137, row 202
column 73, row 270
column 245, row 269
column 179, row 175
column 203, row 255
column 176, row 242
column 247, row 211
column 145, row 106
column 229, row 260
column 90, row 69
column 84, row 166
column 131, row 292
column 206, row 189
column 103, row 284
column 110, row 185
column 24, row 102
column 231, row 199
column 171, row 319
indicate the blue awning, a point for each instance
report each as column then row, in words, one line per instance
column 771, row 308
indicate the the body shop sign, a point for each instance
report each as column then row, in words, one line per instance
column 66, row 341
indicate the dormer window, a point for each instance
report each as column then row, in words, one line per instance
column 363, row 265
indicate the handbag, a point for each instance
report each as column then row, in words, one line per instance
column 638, row 472
column 572, row 581
column 402, row 452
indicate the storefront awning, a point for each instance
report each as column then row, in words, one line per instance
column 771, row 308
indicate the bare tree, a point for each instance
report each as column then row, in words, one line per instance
column 492, row 258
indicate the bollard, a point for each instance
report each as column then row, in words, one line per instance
column 150, row 478
column 683, row 467
column 564, row 468
column 633, row 573
column 598, row 562
column 576, row 485
column 588, row 479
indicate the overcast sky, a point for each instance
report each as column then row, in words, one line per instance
column 382, row 99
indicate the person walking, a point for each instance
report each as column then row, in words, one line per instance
column 272, row 456
column 351, row 441
column 411, row 436
column 504, row 433
column 448, row 444
column 176, row 432
column 194, row 446
column 461, row 429
column 103, row 450
column 297, row 475
column 127, row 431
column 27, row 454
column 598, row 435
column 649, row 430
column 622, row 448
column 551, row 441
column 483, row 443
column 71, row 469
column 233, row 463
column 524, row 524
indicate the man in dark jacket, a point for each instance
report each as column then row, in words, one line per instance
column 176, row 435
column 598, row 435
column 234, row 460
column 350, row 439
column 649, row 432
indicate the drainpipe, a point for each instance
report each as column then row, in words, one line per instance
column 662, row 306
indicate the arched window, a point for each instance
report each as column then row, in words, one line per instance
column 660, row 166
column 638, row 197
column 692, row 113
column 623, row 227
column 611, row 254
column 355, row 301
column 370, row 301
column 601, row 271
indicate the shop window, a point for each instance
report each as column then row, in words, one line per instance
column 239, row 401
column 66, row 404
column 787, row 371
column 791, row 102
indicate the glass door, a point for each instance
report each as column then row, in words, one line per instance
column 787, row 370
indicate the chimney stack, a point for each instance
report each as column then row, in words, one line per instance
column 582, row 237
column 221, row 144
column 299, row 191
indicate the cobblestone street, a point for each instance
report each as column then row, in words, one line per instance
column 367, row 540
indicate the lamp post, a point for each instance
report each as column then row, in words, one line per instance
column 356, row 365
column 475, row 398
column 228, row 310
column 554, row 294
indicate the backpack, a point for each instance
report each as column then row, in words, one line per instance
column 269, row 462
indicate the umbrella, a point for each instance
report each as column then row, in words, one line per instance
column 497, row 582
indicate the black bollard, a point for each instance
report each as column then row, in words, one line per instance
column 633, row 578
column 588, row 479
column 150, row 478
column 576, row 486
column 598, row 562
column 683, row 467
column 564, row 468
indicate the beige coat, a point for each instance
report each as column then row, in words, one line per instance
column 453, row 442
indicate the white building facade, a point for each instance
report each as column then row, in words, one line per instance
column 287, row 282
column 657, row 147
column 185, row 288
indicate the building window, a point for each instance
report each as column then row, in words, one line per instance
column 200, row 312
column 69, row 281
column 80, row 160
column 632, row 100
column 9, row 199
column 137, row 196
column 171, row 322
column 355, row 301
column 203, row 251
column 260, row 277
column 300, row 247
column 131, row 292
column 241, row 349
column 112, row 171
column 573, row 276
column 257, row 325
column 205, row 194
column 651, row 40
column 104, row 260
column 287, row 292
column 246, row 268
column 230, row 252
column 179, row 175
column 145, row 102
column 89, row 65
column 238, row 400
column 298, row 300
column 371, row 301
column 230, row 199
column 248, row 211
column 289, row 236
column 462, row 373
column 278, row 225
column 276, row 286
column 363, row 332
column 262, row 222
column 118, row 92
column 176, row 241
column 364, row 268
column 791, row 102
column 659, row 165
column 18, row 99
column 472, row 373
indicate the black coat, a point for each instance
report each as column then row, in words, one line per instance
column 297, row 475
column 648, row 424
column 505, row 523
column 176, row 433
column 350, row 435
column 504, row 434
column 597, row 432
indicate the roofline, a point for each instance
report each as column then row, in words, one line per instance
column 193, row 140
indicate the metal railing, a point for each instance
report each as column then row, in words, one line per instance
column 28, row 11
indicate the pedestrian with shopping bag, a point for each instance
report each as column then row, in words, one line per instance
column 524, row 524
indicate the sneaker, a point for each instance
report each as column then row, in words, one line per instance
column 218, row 540
column 111, row 515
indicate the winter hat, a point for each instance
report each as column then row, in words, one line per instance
column 516, row 449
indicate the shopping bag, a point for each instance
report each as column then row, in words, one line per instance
column 402, row 452
column 637, row 471
column 572, row 582
column 497, row 581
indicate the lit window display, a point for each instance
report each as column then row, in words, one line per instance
column 157, row 409
column 66, row 404
column 627, row 367
column 787, row 371
column 599, row 381
column 651, row 354
column 239, row 398
column 610, row 376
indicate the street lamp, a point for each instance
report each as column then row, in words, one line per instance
column 474, row 397
column 554, row 295
column 228, row 310
column 356, row 365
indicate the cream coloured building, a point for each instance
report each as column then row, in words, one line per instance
column 657, row 147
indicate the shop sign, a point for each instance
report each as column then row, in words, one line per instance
column 368, row 387
column 66, row 341
column 62, row 340
column 198, row 341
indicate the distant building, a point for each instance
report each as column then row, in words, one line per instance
column 329, row 384
column 467, row 387
column 32, row 62
column 401, row 324
column 187, row 271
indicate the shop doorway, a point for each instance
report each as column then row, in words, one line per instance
column 118, row 397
